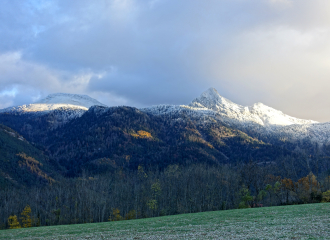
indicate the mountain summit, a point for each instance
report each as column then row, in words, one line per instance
column 257, row 113
column 57, row 101
column 211, row 99
column 71, row 99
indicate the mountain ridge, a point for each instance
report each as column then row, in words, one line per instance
column 56, row 101
column 208, row 100
column 259, row 120
column 258, row 112
column 107, row 138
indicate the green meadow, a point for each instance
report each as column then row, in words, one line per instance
column 309, row 221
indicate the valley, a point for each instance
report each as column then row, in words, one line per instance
column 211, row 155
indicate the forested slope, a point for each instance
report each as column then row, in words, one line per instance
column 105, row 139
column 22, row 164
column 124, row 137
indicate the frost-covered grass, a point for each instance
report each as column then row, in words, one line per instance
column 310, row 221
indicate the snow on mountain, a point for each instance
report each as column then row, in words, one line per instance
column 52, row 102
column 208, row 107
column 259, row 118
column 71, row 99
column 257, row 113
column 211, row 103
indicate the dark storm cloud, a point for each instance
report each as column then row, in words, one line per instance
column 139, row 52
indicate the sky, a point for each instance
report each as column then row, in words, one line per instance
column 148, row 52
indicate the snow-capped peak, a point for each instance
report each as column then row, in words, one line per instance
column 258, row 112
column 55, row 101
column 211, row 99
column 71, row 99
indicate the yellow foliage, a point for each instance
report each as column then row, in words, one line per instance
column 130, row 215
column 29, row 160
column 115, row 215
column 26, row 217
column 209, row 145
column 326, row 196
column 306, row 186
column 13, row 222
column 33, row 166
column 142, row 134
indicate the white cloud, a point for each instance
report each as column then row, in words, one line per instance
column 22, row 80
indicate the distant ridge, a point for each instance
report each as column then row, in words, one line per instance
column 72, row 99
column 57, row 101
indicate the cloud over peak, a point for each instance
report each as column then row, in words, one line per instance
column 139, row 53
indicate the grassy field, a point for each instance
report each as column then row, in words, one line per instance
column 310, row 221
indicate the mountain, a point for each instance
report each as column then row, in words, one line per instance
column 258, row 120
column 78, row 100
column 257, row 113
column 210, row 130
column 35, row 120
column 52, row 102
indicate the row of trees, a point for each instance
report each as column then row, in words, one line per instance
column 25, row 219
column 141, row 194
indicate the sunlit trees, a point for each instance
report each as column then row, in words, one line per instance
column 13, row 222
column 26, row 217
column 308, row 188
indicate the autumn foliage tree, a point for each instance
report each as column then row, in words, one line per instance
column 115, row 216
column 288, row 187
column 13, row 222
column 307, row 187
column 26, row 217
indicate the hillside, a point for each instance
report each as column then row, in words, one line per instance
column 104, row 139
column 22, row 164
column 309, row 221
column 124, row 137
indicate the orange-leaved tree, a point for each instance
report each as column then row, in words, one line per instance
column 307, row 187
column 288, row 186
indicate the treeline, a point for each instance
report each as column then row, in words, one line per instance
column 141, row 194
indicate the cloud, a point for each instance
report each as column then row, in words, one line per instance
column 140, row 52
column 24, row 82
